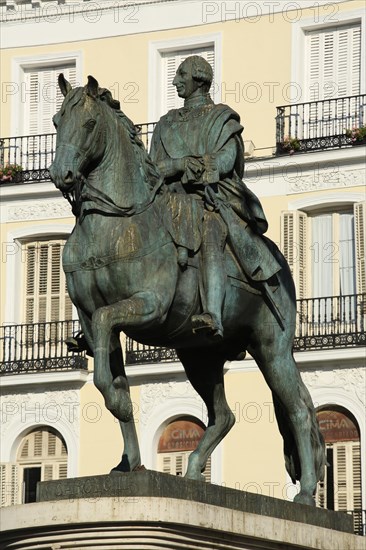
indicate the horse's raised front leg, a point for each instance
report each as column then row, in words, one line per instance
column 204, row 368
column 138, row 310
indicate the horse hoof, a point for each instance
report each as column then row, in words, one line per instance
column 304, row 498
column 126, row 466
column 195, row 477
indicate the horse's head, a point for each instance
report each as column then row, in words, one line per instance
column 80, row 129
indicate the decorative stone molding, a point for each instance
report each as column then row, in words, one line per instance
column 351, row 381
column 39, row 211
column 316, row 180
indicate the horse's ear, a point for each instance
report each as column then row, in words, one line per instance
column 65, row 86
column 92, row 87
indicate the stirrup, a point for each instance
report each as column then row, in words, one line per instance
column 77, row 343
column 208, row 325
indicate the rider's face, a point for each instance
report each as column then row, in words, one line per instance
column 184, row 82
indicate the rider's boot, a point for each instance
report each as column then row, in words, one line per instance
column 209, row 322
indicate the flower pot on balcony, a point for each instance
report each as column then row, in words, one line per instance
column 289, row 146
column 357, row 136
column 11, row 173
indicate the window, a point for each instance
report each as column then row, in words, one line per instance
column 46, row 297
column 341, row 488
column 42, row 456
column 44, row 96
column 333, row 62
column 326, row 250
column 333, row 70
column 34, row 107
column 176, row 443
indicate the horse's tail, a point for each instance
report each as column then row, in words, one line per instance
column 292, row 460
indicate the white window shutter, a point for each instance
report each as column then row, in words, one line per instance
column 166, row 463
column 347, row 476
column 360, row 238
column 334, row 62
column 44, row 97
column 176, row 463
column 46, row 293
column 62, row 470
column 171, row 62
column 207, row 472
column 10, row 487
column 294, row 247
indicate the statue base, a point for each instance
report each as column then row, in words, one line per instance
column 149, row 510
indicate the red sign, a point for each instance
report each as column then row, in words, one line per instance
column 336, row 426
column 181, row 435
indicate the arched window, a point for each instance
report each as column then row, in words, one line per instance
column 341, row 488
column 178, row 440
column 41, row 456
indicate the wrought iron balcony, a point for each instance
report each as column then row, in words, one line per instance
column 32, row 155
column 320, row 125
column 331, row 322
column 38, row 347
column 322, row 323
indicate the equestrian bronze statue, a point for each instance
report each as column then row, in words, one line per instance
column 170, row 249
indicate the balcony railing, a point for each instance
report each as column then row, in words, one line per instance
column 319, row 124
column 145, row 132
column 330, row 322
column 38, row 347
column 322, row 323
column 35, row 154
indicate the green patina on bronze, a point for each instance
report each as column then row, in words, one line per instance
column 170, row 248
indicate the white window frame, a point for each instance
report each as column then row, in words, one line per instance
column 15, row 267
column 22, row 64
column 320, row 203
column 156, row 49
column 298, row 48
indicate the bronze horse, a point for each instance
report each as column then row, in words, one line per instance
column 122, row 275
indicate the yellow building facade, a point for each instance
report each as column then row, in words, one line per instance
column 295, row 72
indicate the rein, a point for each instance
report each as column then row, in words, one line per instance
column 83, row 191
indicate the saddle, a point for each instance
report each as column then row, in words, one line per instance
column 249, row 262
column 247, row 255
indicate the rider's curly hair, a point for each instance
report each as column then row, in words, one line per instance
column 201, row 69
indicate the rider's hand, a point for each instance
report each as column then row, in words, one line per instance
column 193, row 171
column 171, row 167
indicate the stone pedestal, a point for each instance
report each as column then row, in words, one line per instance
column 148, row 510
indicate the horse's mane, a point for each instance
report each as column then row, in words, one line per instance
column 152, row 175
